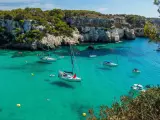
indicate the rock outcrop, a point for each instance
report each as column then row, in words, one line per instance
column 129, row 34
column 11, row 25
column 92, row 22
column 53, row 41
column 139, row 32
column 87, row 30
column 102, row 30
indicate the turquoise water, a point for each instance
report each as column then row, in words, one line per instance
column 47, row 98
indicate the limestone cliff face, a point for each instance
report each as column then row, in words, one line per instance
column 92, row 22
column 129, row 34
column 102, row 29
column 11, row 25
column 54, row 41
column 139, row 32
column 87, row 30
column 27, row 25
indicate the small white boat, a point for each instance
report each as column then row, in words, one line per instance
column 61, row 57
column 119, row 41
column 106, row 63
column 68, row 76
column 52, row 75
column 137, row 87
column 158, row 49
column 92, row 56
column 136, row 71
column 47, row 59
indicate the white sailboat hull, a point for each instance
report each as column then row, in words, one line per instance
column 68, row 77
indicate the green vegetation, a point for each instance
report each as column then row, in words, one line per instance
column 53, row 22
column 135, row 20
column 144, row 107
column 71, row 13
column 30, row 36
column 150, row 31
column 5, row 36
column 157, row 37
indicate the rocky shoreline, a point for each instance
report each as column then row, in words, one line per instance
column 96, row 30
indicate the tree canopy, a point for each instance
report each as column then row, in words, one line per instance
column 146, row 106
column 151, row 31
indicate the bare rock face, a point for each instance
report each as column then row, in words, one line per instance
column 120, row 32
column 11, row 25
column 129, row 34
column 91, row 22
column 115, row 35
column 53, row 41
column 27, row 25
column 93, row 34
column 98, row 34
column 139, row 32
column 94, row 29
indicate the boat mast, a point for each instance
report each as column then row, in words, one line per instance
column 72, row 62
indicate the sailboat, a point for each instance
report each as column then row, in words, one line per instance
column 69, row 76
column 47, row 58
column 110, row 64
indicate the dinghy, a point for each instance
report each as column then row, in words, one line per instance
column 69, row 76
column 136, row 71
column 158, row 50
column 47, row 59
column 92, row 56
column 137, row 87
column 111, row 64
column 119, row 41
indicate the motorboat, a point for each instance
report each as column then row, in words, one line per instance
column 137, row 87
column 68, row 76
column 92, row 56
column 136, row 71
column 47, row 59
column 158, row 49
column 119, row 41
column 111, row 64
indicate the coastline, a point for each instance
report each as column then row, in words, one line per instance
column 35, row 33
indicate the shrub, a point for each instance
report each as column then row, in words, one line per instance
column 150, row 31
column 7, row 16
column 144, row 107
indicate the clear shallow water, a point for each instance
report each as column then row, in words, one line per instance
column 68, row 100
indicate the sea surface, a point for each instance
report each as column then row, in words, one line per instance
column 25, row 80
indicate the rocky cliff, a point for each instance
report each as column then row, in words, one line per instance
column 86, row 30
column 102, row 30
